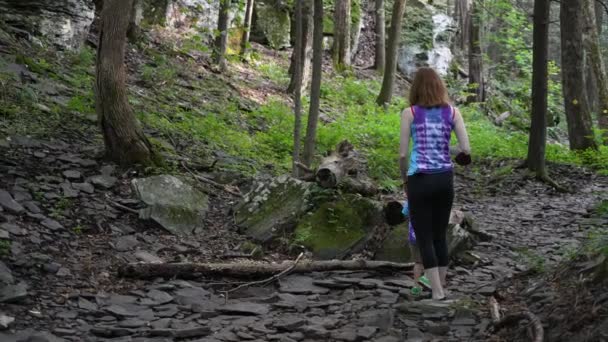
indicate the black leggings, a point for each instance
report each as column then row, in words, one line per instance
column 430, row 198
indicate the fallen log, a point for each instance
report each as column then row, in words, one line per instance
column 337, row 165
column 361, row 186
column 252, row 269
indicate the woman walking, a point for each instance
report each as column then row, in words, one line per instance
column 427, row 173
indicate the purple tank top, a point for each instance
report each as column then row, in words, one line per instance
column 431, row 132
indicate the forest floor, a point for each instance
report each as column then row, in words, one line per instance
column 63, row 237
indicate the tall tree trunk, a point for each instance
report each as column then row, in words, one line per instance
column 580, row 131
column 386, row 93
column 475, row 55
column 124, row 139
column 247, row 27
column 298, row 55
column 341, row 48
column 315, row 89
column 598, row 67
column 540, row 52
column 222, row 38
column 380, row 37
column 463, row 17
column 307, row 31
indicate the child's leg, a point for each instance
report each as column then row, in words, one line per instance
column 418, row 268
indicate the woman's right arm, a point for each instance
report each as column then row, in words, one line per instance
column 461, row 133
column 404, row 141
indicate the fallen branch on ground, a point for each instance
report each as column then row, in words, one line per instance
column 265, row 281
column 123, row 207
column 213, row 183
column 494, row 310
column 513, row 318
column 250, row 269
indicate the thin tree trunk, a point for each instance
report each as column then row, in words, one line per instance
column 341, row 48
column 124, row 139
column 247, row 27
column 463, row 17
column 134, row 30
column 222, row 38
column 540, row 51
column 598, row 67
column 386, row 93
column 579, row 121
column 315, row 91
column 380, row 37
column 307, row 31
column 298, row 56
column 475, row 55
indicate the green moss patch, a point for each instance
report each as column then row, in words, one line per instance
column 335, row 228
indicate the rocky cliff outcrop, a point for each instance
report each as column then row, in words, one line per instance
column 65, row 23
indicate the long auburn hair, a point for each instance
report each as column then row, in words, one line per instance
column 428, row 89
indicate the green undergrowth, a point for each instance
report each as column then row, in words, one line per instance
column 181, row 101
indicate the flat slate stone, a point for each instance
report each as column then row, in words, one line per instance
column 245, row 309
column 84, row 187
column 13, row 229
column 191, row 295
column 103, row 181
column 13, row 293
column 51, row 224
column 156, row 297
column 301, row 285
column 72, row 174
column 6, row 276
column 9, row 204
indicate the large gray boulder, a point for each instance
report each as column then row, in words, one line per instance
column 65, row 23
column 274, row 23
column 175, row 205
column 273, row 207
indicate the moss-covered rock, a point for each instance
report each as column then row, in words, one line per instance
column 274, row 23
column 395, row 247
column 273, row 208
column 337, row 228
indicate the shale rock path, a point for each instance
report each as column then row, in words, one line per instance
column 62, row 235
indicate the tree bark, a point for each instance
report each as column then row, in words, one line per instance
column 248, row 270
column 247, row 27
column 341, row 48
column 580, row 131
column 125, row 142
column 307, row 32
column 386, row 93
column 222, row 38
column 297, row 67
column 475, row 55
column 598, row 67
column 540, row 52
column 380, row 37
column 134, row 30
column 463, row 17
column 315, row 91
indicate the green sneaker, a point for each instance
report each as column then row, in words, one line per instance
column 415, row 291
column 425, row 282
